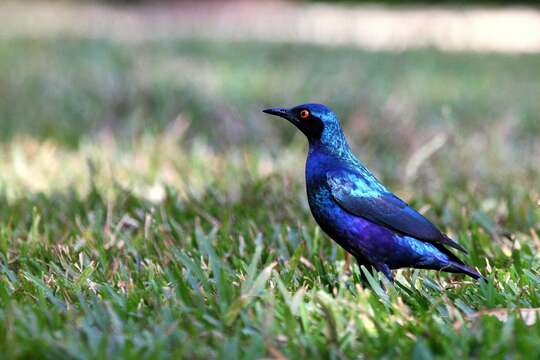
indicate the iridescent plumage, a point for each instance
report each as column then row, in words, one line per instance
column 357, row 211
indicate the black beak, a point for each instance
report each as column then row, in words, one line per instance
column 281, row 112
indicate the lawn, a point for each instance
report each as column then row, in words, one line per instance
column 148, row 209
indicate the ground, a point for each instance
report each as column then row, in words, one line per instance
column 150, row 210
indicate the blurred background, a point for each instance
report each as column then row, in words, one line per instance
column 454, row 84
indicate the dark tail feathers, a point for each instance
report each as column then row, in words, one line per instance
column 464, row 269
column 449, row 242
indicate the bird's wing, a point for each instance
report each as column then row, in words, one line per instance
column 357, row 196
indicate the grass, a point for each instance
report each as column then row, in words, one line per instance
column 127, row 234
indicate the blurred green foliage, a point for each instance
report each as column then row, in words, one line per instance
column 66, row 89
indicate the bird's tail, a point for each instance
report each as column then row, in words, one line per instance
column 464, row 269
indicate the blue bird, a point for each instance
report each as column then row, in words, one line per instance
column 357, row 211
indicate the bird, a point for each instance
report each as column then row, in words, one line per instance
column 357, row 211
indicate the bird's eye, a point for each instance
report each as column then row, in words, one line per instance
column 304, row 114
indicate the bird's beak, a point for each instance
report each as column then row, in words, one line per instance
column 281, row 112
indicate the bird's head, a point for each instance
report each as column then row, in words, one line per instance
column 318, row 122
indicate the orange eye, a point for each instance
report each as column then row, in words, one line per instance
column 304, row 114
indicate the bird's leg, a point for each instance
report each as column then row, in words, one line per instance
column 385, row 270
column 347, row 266
column 382, row 267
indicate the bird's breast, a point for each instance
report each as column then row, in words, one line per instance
column 327, row 213
column 353, row 233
